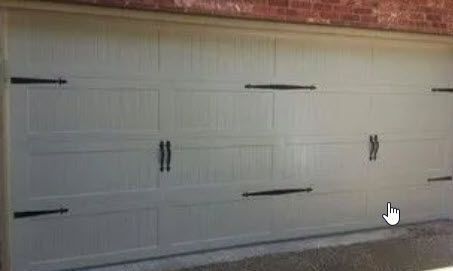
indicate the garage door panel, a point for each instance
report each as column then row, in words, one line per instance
column 405, row 179
column 200, row 54
column 294, row 164
column 395, row 113
column 432, row 71
column 90, row 110
column 225, row 165
column 218, row 221
column 450, row 106
column 51, row 239
column 223, row 112
column 93, row 46
column 338, row 166
column 77, row 173
column 319, row 60
column 411, row 153
column 300, row 212
column 92, row 145
column 416, row 203
column 322, row 113
column 326, row 167
column 407, row 162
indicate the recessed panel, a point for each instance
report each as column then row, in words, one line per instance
column 88, row 46
column 221, row 165
column 93, row 110
column 82, row 173
column 319, row 60
column 223, row 111
column 79, row 236
column 338, row 166
column 322, row 113
column 411, row 63
column 215, row 221
column 298, row 212
column 407, row 162
column 404, row 113
column 200, row 54
column 415, row 204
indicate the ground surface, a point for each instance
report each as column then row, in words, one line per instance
column 422, row 247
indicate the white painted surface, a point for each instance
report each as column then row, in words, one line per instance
column 92, row 145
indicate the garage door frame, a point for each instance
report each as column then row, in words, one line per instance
column 256, row 26
column 5, row 217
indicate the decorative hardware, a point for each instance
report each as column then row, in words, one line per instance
column 277, row 192
column 28, row 80
column 442, row 89
column 441, row 179
column 39, row 213
column 376, row 149
column 161, row 156
column 280, row 86
column 168, row 145
column 372, row 147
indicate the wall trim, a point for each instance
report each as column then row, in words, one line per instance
column 5, row 218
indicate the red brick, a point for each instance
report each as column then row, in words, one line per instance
column 368, row 19
column 350, row 17
column 279, row 3
column 330, row 1
column 425, row 16
column 329, row 15
column 416, row 16
column 363, row 11
column 322, row 7
column 305, row 4
column 297, row 14
column 433, row 17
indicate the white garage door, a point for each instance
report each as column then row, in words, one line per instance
column 91, row 147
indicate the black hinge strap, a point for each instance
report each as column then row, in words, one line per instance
column 277, row 192
column 442, row 89
column 39, row 213
column 28, row 80
column 280, row 86
column 441, row 179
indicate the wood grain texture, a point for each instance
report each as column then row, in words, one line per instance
column 91, row 145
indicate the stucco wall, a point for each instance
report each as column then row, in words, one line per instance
column 425, row 16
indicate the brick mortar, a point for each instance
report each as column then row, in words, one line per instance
column 420, row 16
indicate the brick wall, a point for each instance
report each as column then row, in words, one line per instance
column 426, row 16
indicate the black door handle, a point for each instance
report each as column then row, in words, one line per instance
column 372, row 147
column 168, row 145
column 376, row 149
column 161, row 156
